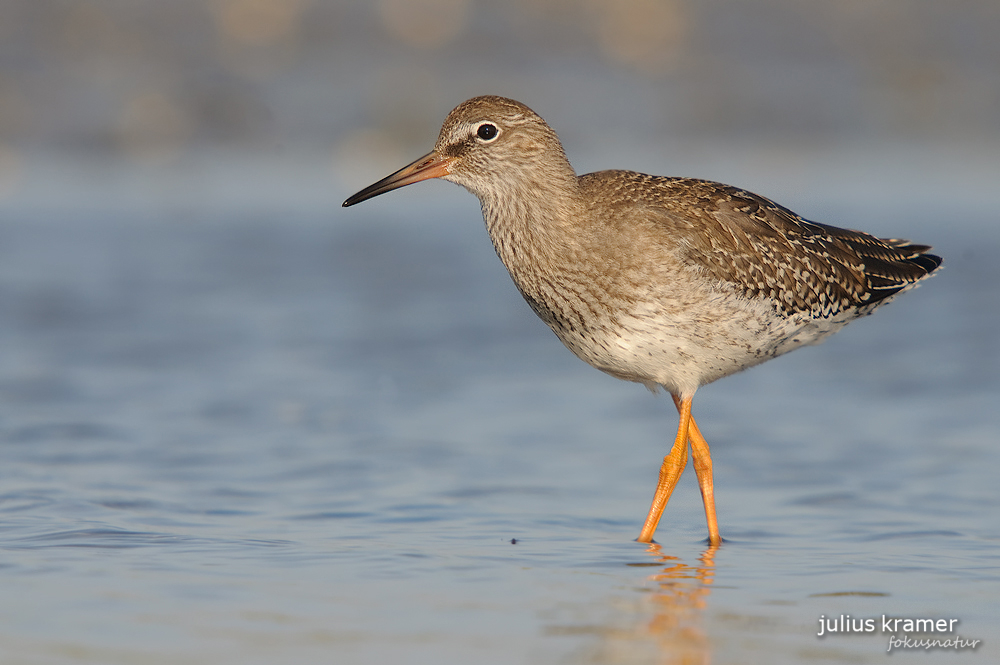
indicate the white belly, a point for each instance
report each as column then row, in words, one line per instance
column 662, row 344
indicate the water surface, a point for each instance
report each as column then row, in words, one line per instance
column 230, row 436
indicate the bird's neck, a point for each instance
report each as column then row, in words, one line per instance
column 536, row 231
column 533, row 219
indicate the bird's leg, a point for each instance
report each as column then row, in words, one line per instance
column 670, row 472
column 701, row 458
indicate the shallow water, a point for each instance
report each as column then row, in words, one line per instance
column 340, row 436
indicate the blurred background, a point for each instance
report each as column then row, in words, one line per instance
column 177, row 89
column 241, row 424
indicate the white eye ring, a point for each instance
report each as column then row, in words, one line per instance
column 487, row 131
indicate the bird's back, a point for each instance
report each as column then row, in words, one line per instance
column 763, row 249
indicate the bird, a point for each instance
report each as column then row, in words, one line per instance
column 670, row 282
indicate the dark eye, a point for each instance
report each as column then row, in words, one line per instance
column 487, row 132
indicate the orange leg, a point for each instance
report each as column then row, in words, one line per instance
column 701, row 457
column 670, row 472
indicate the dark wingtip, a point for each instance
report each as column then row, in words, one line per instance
column 929, row 262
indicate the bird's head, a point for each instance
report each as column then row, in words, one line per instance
column 488, row 145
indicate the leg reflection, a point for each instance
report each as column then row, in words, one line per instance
column 678, row 602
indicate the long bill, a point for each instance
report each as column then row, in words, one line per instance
column 431, row 165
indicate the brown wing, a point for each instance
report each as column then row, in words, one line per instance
column 768, row 251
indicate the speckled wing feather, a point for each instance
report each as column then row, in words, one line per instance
column 768, row 251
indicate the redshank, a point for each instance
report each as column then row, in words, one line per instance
column 668, row 282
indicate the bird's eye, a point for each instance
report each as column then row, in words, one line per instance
column 487, row 131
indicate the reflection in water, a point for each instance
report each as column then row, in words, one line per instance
column 678, row 603
column 664, row 626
